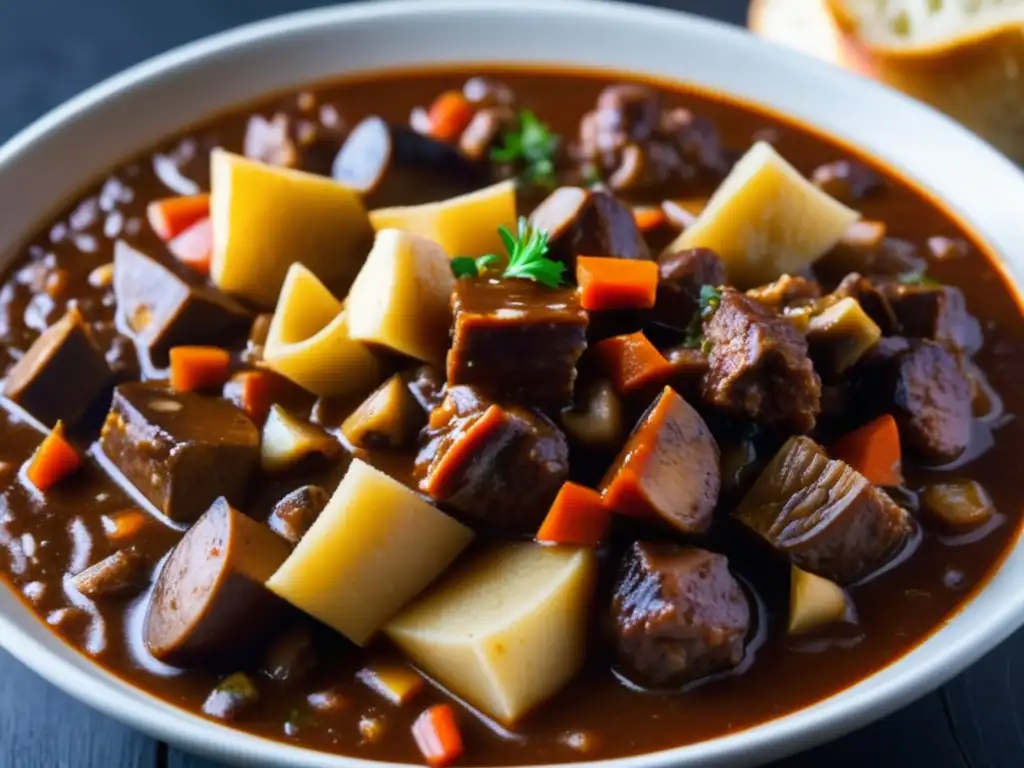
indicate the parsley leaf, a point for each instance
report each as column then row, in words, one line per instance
column 467, row 266
column 527, row 256
column 710, row 298
column 531, row 145
column 917, row 278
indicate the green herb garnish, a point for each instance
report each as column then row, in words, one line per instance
column 527, row 255
column 917, row 278
column 710, row 299
column 531, row 145
column 467, row 266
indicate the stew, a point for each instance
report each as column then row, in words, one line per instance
column 507, row 417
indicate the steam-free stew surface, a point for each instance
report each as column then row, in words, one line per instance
column 48, row 537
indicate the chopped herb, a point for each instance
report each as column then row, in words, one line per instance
column 531, row 145
column 710, row 298
column 917, row 278
column 527, row 256
column 591, row 175
column 467, row 266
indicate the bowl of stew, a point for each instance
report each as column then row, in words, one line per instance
column 506, row 383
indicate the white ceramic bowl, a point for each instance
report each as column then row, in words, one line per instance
column 77, row 142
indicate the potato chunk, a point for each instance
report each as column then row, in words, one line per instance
column 840, row 335
column 400, row 299
column 466, row 225
column 507, row 630
column 375, row 546
column 388, row 418
column 287, row 440
column 766, row 220
column 309, row 341
column 814, row 602
column 264, row 218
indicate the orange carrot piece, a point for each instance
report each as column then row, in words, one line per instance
column 173, row 215
column 577, row 516
column 616, row 283
column 195, row 368
column 649, row 218
column 437, row 735
column 458, row 456
column 124, row 525
column 194, row 246
column 449, row 115
column 874, row 451
column 632, row 362
column 54, row 459
column 254, row 392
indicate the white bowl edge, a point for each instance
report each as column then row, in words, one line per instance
column 75, row 143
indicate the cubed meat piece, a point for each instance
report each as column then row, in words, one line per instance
column 584, row 222
column 61, row 375
column 871, row 299
column 758, row 367
column 122, row 574
column 822, row 514
column 849, row 181
column 181, row 450
column 210, row 606
column 161, row 310
column 680, row 278
column 292, row 516
column 517, row 341
column 787, row 291
column 889, row 257
column 668, row 468
column 931, row 400
column 935, row 312
column 426, row 384
column 678, row 614
column 291, row 656
column 500, row 465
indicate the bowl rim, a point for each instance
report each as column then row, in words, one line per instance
column 907, row 676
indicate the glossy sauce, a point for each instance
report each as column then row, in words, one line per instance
column 897, row 609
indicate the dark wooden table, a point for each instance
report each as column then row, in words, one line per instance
column 52, row 49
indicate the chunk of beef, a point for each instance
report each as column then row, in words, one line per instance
column 426, row 384
column 123, row 574
column 293, row 515
column 61, row 375
column 931, row 400
column 181, row 450
column 758, row 365
column 501, row 465
column 680, row 278
column 849, row 181
column 822, row 514
column 210, row 606
column 788, row 291
column 588, row 222
column 936, row 312
column 517, row 341
column 482, row 132
column 678, row 614
column 160, row 310
column 891, row 257
column 292, row 656
column 668, row 468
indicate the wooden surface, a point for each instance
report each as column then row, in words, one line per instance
column 52, row 49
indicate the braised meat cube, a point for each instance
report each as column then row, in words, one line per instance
column 182, row 450
column 210, row 606
column 61, row 375
column 501, row 465
column 517, row 341
column 787, row 291
column 585, row 222
column 123, row 574
column 668, row 468
column 890, row 257
column 426, row 385
column 678, row 614
column 848, row 180
column 935, row 312
column 680, row 278
column 293, row 515
column 758, row 365
column 822, row 514
column 161, row 310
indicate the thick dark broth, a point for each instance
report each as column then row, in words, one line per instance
column 897, row 609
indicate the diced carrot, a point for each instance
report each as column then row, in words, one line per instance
column 54, row 459
column 577, row 516
column 874, row 451
column 124, row 525
column 194, row 246
column 437, row 735
column 173, row 215
column 616, row 283
column 632, row 362
column 254, row 392
column 492, row 422
column 195, row 368
column 648, row 218
column 449, row 115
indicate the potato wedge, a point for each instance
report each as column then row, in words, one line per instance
column 388, row 418
column 309, row 341
column 841, row 334
column 466, row 225
column 375, row 546
column 287, row 440
column 401, row 298
column 505, row 631
column 814, row 602
column 766, row 220
column 264, row 218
